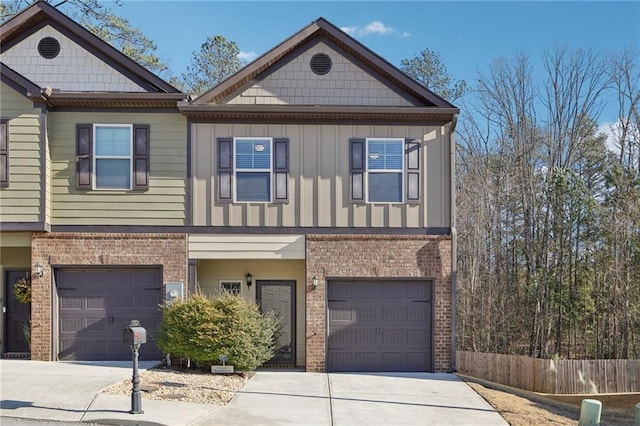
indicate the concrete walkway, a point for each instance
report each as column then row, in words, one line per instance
column 70, row 392
column 277, row 398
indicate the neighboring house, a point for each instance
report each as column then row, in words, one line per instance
column 93, row 152
column 317, row 181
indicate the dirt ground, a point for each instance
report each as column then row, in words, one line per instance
column 522, row 408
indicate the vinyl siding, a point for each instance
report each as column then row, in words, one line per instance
column 211, row 246
column 319, row 179
column 295, row 83
column 74, row 69
column 20, row 201
column 164, row 203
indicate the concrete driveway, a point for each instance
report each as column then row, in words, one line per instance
column 70, row 392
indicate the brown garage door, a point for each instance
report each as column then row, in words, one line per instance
column 379, row 326
column 96, row 305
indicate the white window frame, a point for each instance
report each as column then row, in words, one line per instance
column 224, row 290
column 401, row 170
column 97, row 157
column 236, row 170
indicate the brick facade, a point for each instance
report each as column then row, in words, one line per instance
column 59, row 250
column 378, row 256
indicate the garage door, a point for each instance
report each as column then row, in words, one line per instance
column 379, row 326
column 96, row 305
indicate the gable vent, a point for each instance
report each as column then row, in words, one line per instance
column 49, row 47
column 320, row 63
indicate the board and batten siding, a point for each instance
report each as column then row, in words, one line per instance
column 21, row 200
column 164, row 203
column 319, row 179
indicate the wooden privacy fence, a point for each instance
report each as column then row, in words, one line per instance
column 589, row 376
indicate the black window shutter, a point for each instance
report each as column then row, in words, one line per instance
column 4, row 154
column 225, row 170
column 281, row 169
column 357, row 168
column 141, row 156
column 412, row 153
column 84, row 155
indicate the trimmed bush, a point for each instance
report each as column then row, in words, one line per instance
column 203, row 329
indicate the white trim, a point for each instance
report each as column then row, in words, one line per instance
column 224, row 290
column 97, row 157
column 236, row 170
column 401, row 170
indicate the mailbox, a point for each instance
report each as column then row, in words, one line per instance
column 134, row 336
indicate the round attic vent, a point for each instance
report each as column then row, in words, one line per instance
column 49, row 47
column 320, row 63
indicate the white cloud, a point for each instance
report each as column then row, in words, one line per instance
column 377, row 27
column 613, row 132
column 373, row 28
column 247, row 56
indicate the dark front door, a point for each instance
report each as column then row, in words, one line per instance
column 279, row 297
column 95, row 305
column 18, row 315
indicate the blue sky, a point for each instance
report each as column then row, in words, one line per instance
column 468, row 35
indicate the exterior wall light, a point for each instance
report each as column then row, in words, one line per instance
column 249, row 279
column 314, row 282
column 39, row 271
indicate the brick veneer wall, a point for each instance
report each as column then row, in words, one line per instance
column 78, row 249
column 379, row 256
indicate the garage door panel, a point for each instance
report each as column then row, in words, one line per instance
column 96, row 305
column 379, row 326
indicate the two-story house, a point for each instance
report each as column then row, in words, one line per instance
column 317, row 181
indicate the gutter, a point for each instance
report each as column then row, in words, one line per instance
column 454, row 243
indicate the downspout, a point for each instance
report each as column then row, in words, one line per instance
column 454, row 241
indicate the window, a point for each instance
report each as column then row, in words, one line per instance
column 112, row 160
column 230, row 286
column 385, row 170
column 4, row 153
column 253, row 169
column 112, row 156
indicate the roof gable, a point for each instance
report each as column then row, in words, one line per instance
column 322, row 30
column 41, row 17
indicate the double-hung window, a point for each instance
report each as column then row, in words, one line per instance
column 385, row 166
column 253, row 169
column 113, row 156
column 385, row 170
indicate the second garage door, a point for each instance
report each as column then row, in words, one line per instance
column 379, row 326
column 96, row 305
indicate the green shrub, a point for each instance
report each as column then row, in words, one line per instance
column 203, row 329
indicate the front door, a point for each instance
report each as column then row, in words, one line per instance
column 18, row 315
column 279, row 297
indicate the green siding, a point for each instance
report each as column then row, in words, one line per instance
column 163, row 204
column 20, row 201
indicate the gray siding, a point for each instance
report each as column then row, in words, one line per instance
column 164, row 203
column 345, row 84
column 319, row 179
column 20, row 202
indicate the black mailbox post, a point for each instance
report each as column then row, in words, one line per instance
column 134, row 336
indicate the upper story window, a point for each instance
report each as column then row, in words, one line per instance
column 253, row 167
column 385, row 170
column 112, row 156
